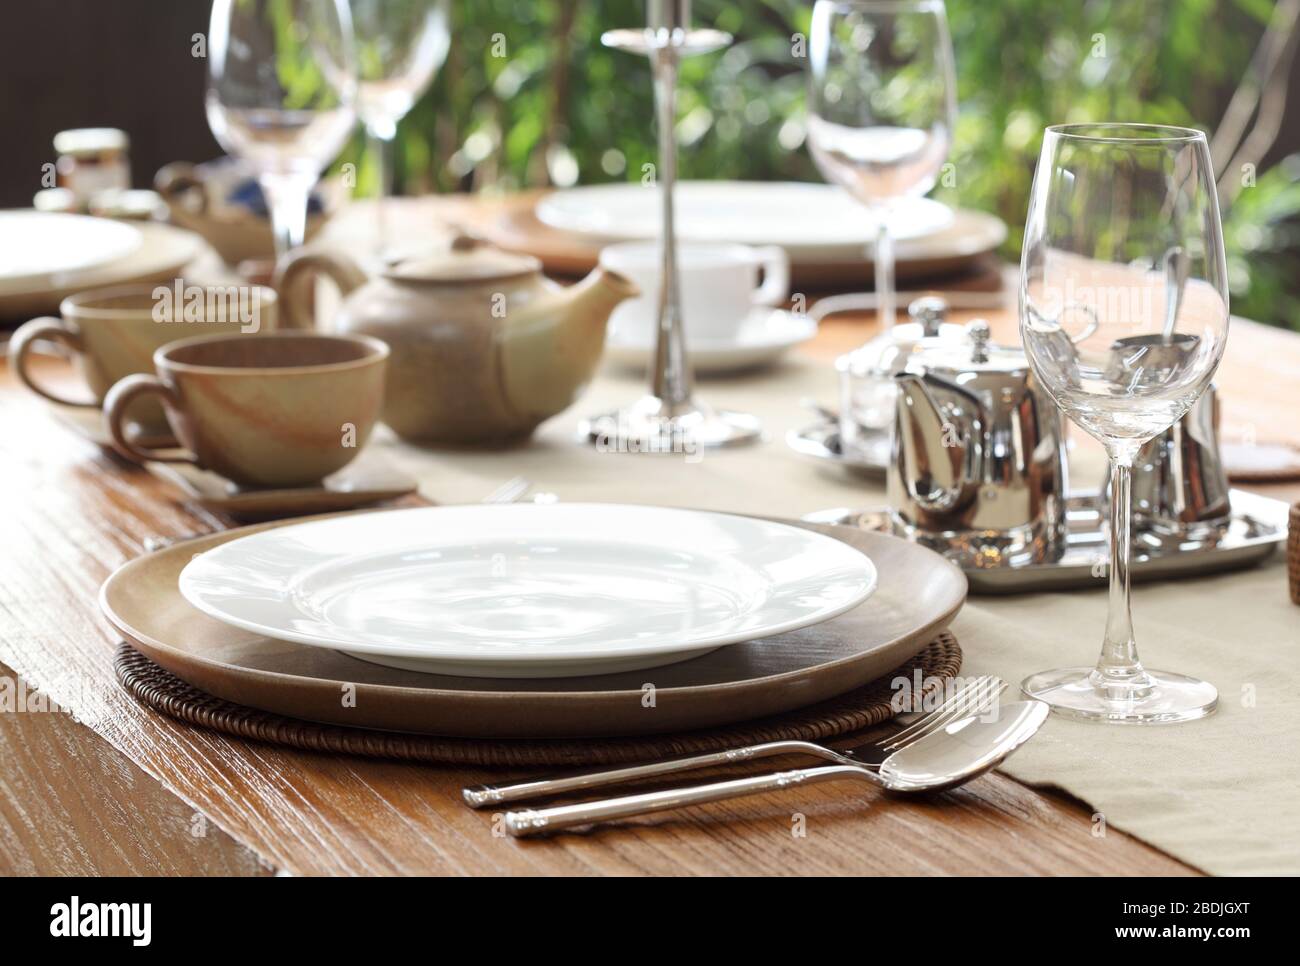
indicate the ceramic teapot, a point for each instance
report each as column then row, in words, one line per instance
column 484, row 347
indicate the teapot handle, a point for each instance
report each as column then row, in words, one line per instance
column 1043, row 324
column 294, row 278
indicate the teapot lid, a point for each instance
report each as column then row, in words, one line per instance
column 976, row 352
column 466, row 261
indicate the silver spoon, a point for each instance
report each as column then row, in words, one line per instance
column 962, row 750
column 1177, row 268
column 971, row 697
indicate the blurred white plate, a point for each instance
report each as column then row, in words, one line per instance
column 806, row 219
column 528, row 590
column 766, row 335
column 35, row 245
column 162, row 252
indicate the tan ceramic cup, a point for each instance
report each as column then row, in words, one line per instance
column 279, row 410
column 114, row 333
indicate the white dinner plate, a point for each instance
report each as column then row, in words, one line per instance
column 765, row 336
column 35, row 245
column 528, row 590
column 805, row 218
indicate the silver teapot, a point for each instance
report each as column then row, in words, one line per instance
column 978, row 467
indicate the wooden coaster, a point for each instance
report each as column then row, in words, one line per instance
column 162, row 691
column 1293, row 554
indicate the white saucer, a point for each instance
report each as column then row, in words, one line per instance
column 763, row 338
column 528, row 590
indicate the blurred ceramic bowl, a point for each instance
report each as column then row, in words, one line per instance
column 221, row 201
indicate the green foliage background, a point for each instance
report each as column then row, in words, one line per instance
column 529, row 97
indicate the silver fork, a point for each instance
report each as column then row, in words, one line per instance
column 971, row 697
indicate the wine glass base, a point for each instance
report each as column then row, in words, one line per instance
column 1168, row 698
column 652, row 426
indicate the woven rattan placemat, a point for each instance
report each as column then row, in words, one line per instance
column 858, row 709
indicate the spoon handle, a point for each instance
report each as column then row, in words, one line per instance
column 483, row 796
column 539, row 821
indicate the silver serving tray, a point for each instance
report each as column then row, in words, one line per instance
column 1258, row 525
column 821, row 441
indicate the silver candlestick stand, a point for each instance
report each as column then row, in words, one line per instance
column 669, row 419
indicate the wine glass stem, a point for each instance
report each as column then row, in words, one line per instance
column 383, row 161
column 884, row 262
column 286, row 197
column 1119, row 673
column 671, row 377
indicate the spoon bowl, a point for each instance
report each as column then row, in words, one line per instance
column 964, row 749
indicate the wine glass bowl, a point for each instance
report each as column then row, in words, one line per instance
column 281, row 84
column 1124, row 318
column 400, row 46
column 1113, row 203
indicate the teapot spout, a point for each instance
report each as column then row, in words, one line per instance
column 551, row 348
column 592, row 301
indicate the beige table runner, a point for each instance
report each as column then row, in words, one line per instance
column 1221, row 794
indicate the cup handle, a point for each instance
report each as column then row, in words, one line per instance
column 174, row 181
column 119, row 398
column 776, row 276
column 20, row 347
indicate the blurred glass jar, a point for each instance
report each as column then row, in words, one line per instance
column 867, row 390
column 92, row 160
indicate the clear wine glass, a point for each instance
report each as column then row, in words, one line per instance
column 400, row 46
column 281, row 87
column 1124, row 316
column 881, row 108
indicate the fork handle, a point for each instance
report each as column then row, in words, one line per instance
column 540, row 821
column 483, row 796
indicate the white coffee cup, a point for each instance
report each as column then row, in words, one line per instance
column 720, row 287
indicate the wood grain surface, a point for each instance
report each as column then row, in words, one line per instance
column 71, row 804
column 114, row 787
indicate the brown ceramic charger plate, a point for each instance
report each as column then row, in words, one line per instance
column 919, row 593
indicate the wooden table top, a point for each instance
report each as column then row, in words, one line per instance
column 114, row 788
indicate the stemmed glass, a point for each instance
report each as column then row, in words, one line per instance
column 281, row 85
column 670, row 418
column 1121, row 350
column 400, row 46
column 881, row 108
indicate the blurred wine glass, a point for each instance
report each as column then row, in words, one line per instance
column 281, row 86
column 400, row 46
column 881, row 108
column 1124, row 317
